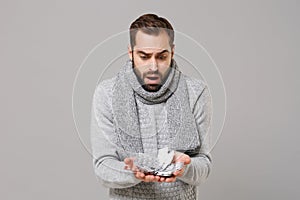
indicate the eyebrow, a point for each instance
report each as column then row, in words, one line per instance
column 142, row 52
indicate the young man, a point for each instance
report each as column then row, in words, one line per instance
column 147, row 106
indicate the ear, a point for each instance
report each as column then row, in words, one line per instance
column 129, row 51
column 173, row 50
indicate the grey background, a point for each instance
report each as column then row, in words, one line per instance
column 254, row 43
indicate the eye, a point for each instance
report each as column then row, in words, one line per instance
column 143, row 57
column 162, row 57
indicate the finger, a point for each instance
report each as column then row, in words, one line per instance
column 162, row 179
column 176, row 173
column 157, row 178
column 183, row 158
column 146, row 178
column 128, row 161
column 140, row 175
column 135, row 169
column 149, row 178
column 137, row 175
column 187, row 160
column 169, row 180
column 178, row 157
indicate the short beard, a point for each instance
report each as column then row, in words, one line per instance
column 151, row 87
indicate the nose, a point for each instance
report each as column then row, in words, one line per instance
column 153, row 66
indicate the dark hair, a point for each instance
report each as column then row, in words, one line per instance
column 152, row 25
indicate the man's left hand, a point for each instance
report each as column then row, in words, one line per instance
column 178, row 157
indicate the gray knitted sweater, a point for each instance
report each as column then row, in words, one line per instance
column 108, row 162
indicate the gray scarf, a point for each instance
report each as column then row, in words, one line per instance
column 181, row 123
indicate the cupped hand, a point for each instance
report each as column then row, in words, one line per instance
column 129, row 165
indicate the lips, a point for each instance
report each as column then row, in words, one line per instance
column 152, row 79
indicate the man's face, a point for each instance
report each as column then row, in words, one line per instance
column 152, row 57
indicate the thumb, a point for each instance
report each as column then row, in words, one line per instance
column 128, row 162
column 181, row 157
column 187, row 160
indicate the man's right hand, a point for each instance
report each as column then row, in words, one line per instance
column 129, row 165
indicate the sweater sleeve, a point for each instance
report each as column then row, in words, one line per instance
column 199, row 168
column 109, row 169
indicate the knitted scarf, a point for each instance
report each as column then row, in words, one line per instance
column 180, row 120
